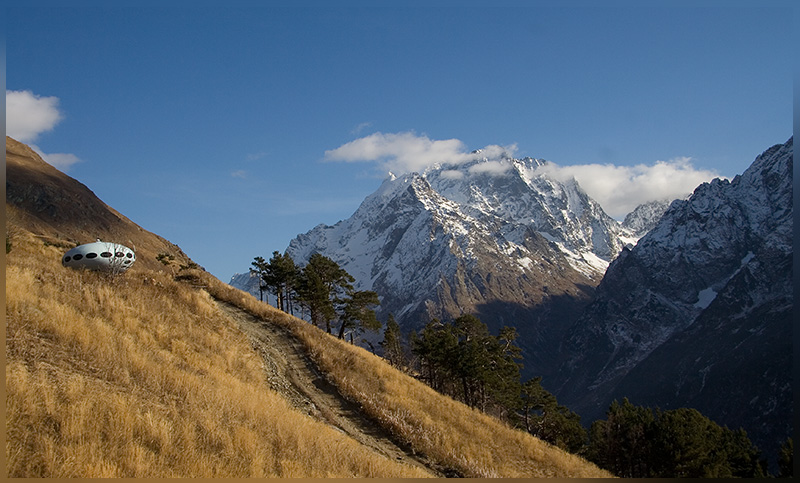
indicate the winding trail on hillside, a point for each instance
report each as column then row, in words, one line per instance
column 291, row 372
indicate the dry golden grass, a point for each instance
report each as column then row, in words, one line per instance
column 449, row 432
column 113, row 377
column 116, row 378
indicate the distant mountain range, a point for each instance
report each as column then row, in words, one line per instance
column 694, row 307
column 492, row 237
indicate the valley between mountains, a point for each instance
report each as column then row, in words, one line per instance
column 686, row 303
column 166, row 371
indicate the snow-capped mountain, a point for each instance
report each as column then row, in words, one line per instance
column 497, row 201
column 699, row 312
column 644, row 218
column 493, row 237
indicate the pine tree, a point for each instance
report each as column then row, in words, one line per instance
column 313, row 295
column 392, row 343
column 621, row 443
column 322, row 286
column 357, row 312
column 260, row 269
column 279, row 275
column 436, row 346
column 550, row 421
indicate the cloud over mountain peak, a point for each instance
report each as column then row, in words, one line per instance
column 618, row 189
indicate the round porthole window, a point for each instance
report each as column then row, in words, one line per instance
column 106, row 254
column 91, row 255
column 77, row 257
column 67, row 259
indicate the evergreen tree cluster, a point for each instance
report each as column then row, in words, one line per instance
column 640, row 442
column 321, row 289
column 465, row 361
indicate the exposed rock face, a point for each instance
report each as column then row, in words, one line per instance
column 699, row 312
column 645, row 217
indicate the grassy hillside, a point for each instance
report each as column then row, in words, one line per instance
column 448, row 431
column 113, row 377
column 141, row 375
column 63, row 212
column 117, row 378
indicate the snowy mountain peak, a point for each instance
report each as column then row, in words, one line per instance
column 460, row 235
column 644, row 217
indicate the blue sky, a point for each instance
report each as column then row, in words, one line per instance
column 219, row 127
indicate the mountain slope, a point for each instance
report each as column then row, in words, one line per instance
column 64, row 212
column 699, row 312
column 644, row 217
column 492, row 237
column 143, row 375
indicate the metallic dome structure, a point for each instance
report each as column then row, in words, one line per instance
column 100, row 256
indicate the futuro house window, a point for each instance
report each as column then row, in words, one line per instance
column 91, row 255
column 119, row 254
column 106, row 254
column 67, row 259
column 77, row 257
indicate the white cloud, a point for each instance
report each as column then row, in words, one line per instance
column 490, row 167
column 407, row 152
column 28, row 115
column 360, row 128
column 239, row 173
column 495, row 151
column 60, row 161
column 620, row 189
column 401, row 152
column 452, row 174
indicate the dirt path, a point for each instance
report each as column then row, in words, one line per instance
column 292, row 373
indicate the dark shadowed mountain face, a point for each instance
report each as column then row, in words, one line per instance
column 491, row 237
column 699, row 312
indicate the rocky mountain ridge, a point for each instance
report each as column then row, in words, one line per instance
column 699, row 312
